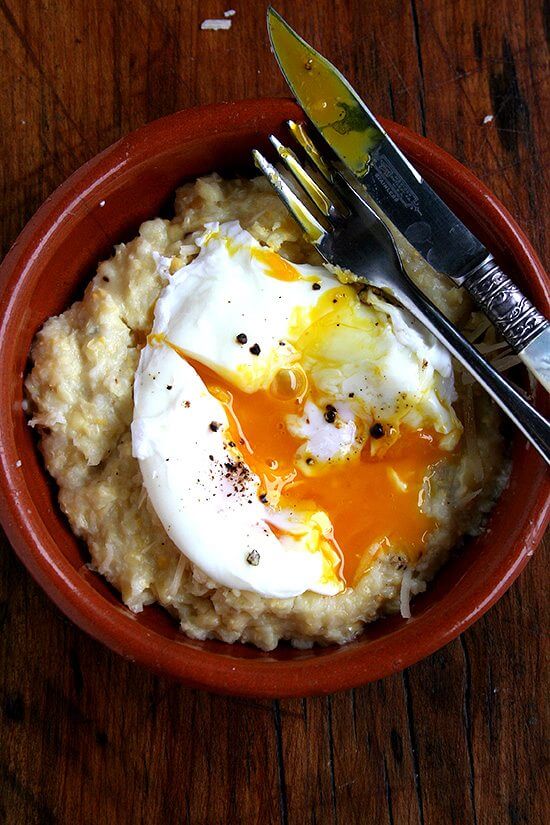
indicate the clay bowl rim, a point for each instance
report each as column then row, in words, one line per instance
column 112, row 625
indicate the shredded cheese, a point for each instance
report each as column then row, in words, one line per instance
column 215, row 25
column 470, row 497
column 405, row 593
column 487, row 348
column 478, row 331
column 506, row 362
column 176, row 581
column 399, row 483
column 142, row 497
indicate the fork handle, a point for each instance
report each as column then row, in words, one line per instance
column 521, row 325
column 526, row 418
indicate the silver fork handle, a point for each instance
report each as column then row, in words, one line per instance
column 526, row 418
column 517, row 320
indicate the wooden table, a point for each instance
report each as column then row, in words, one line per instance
column 88, row 738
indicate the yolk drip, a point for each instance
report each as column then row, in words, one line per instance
column 372, row 503
column 329, row 102
column 275, row 266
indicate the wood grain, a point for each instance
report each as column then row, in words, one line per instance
column 88, row 738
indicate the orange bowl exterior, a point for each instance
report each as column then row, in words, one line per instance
column 48, row 266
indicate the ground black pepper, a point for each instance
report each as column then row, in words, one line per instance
column 241, row 338
column 377, row 430
column 255, row 349
column 330, row 414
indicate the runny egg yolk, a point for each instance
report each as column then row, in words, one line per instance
column 373, row 503
column 274, row 265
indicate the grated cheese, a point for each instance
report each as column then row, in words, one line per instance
column 478, row 331
column 405, row 593
column 142, row 497
column 486, row 348
column 176, row 581
column 470, row 496
column 506, row 362
column 215, row 25
column 399, row 483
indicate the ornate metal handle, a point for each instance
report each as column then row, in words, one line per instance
column 511, row 312
column 524, row 415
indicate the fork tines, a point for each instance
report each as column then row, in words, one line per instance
column 316, row 193
column 311, row 198
column 313, row 228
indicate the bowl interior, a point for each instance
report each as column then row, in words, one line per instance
column 103, row 204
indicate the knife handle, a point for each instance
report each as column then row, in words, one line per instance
column 526, row 418
column 514, row 316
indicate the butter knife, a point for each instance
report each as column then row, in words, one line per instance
column 398, row 189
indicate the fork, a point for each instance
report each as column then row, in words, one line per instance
column 350, row 236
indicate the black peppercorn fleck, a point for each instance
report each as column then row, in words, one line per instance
column 255, row 349
column 241, row 338
column 316, row 285
column 214, row 426
column 377, row 430
column 330, row 414
column 263, row 498
column 253, row 558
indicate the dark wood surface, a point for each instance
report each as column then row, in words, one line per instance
column 88, row 738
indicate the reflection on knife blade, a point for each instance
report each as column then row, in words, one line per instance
column 352, row 131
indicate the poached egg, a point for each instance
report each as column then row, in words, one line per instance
column 285, row 428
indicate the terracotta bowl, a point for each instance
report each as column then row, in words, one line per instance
column 47, row 268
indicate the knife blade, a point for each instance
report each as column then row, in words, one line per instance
column 355, row 135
